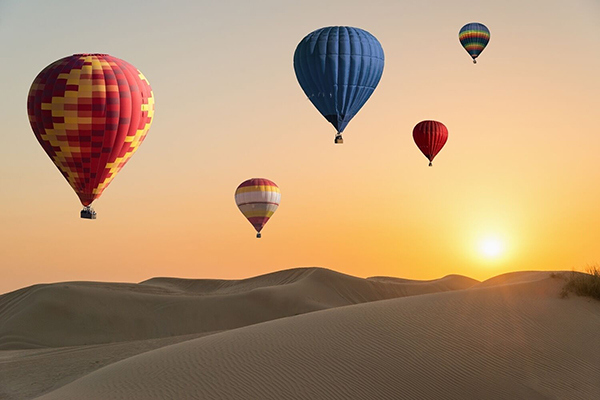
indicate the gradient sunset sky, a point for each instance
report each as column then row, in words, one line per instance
column 521, row 164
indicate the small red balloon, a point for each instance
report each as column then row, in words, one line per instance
column 430, row 137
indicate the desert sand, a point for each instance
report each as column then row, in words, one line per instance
column 306, row 333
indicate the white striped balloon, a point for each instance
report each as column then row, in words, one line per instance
column 258, row 199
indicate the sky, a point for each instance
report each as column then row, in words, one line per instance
column 519, row 170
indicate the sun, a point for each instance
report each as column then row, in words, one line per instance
column 491, row 247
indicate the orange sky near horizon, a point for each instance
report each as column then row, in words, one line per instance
column 520, row 163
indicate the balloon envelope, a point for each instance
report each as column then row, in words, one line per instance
column 90, row 113
column 258, row 199
column 430, row 137
column 474, row 37
column 338, row 68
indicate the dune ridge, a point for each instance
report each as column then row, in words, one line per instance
column 510, row 278
column 517, row 341
column 83, row 313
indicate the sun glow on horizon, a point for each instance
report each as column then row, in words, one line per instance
column 491, row 247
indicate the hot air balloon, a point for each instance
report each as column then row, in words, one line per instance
column 430, row 137
column 338, row 68
column 257, row 199
column 90, row 113
column 474, row 37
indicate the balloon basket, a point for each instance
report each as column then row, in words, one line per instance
column 88, row 213
column 258, row 235
column 474, row 61
column 430, row 164
column 338, row 139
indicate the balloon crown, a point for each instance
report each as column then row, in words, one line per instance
column 90, row 54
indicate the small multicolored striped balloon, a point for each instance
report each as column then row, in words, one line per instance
column 430, row 137
column 258, row 199
column 474, row 37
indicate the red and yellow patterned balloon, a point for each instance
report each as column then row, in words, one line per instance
column 90, row 113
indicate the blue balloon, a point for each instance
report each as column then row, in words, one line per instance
column 338, row 68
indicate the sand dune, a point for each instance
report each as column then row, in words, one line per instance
column 80, row 313
column 516, row 277
column 517, row 341
column 26, row 374
column 449, row 282
column 510, row 337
